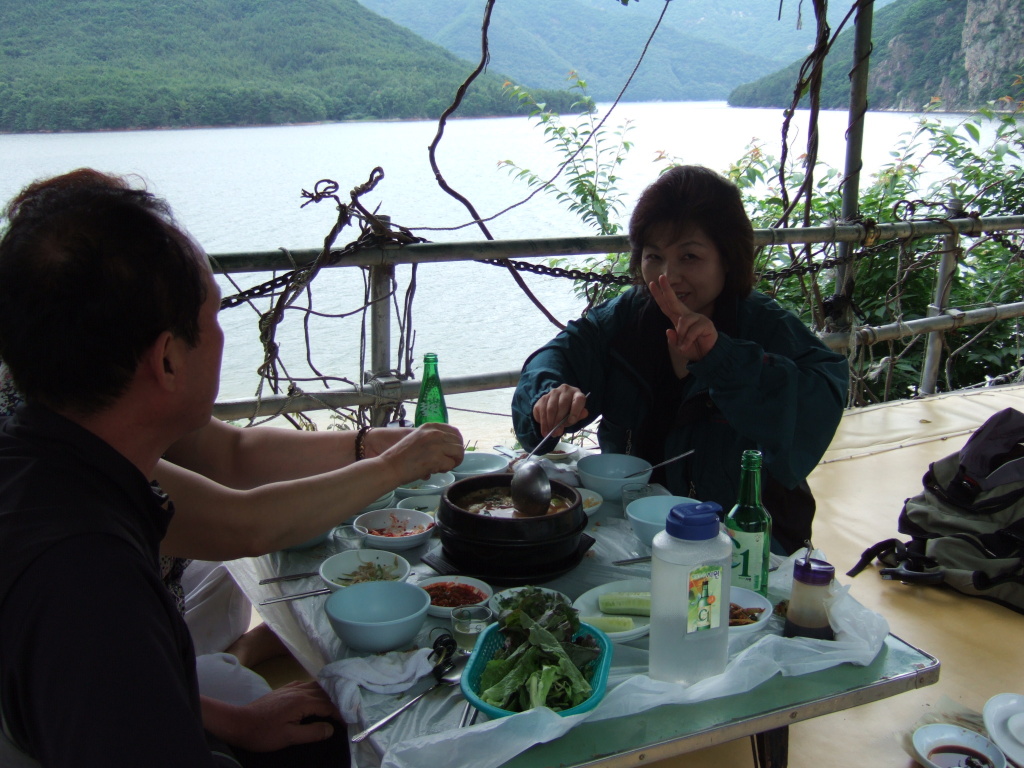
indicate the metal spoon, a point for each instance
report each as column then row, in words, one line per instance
column 662, row 464
column 451, row 676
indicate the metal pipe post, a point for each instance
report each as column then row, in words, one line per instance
column 943, row 283
column 382, row 278
column 854, row 144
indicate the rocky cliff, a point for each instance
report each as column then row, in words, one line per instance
column 964, row 53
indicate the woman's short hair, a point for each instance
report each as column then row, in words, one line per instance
column 694, row 196
column 92, row 271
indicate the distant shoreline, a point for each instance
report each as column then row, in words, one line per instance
column 456, row 117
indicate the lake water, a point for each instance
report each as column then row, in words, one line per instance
column 239, row 189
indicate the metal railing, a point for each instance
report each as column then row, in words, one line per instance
column 381, row 387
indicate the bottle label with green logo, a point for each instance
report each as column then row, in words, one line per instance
column 747, row 559
column 704, row 599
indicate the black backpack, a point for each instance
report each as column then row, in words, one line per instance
column 967, row 526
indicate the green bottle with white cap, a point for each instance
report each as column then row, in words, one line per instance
column 750, row 527
column 431, row 408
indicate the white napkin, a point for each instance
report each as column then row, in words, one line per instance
column 388, row 673
column 565, row 473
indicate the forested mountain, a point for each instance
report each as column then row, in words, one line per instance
column 702, row 51
column 91, row 64
column 962, row 52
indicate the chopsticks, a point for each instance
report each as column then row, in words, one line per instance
column 296, row 596
column 291, row 577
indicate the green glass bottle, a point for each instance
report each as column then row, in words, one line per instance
column 750, row 526
column 430, row 407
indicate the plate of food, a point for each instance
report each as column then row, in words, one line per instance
column 944, row 744
column 449, row 592
column 592, row 500
column 620, row 609
column 563, row 452
column 749, row 611
column 507, row 597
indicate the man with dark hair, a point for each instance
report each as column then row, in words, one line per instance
column 108, row 322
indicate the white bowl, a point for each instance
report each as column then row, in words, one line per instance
column 428, row 504
column 377, row 616
column 396, row 522
column 480, row 463
column 592, row 500
column 746, row 598
column 432, row 486
column 929, row 738
column 606, row 473
column 445, row 612
column 1004, row 720
column 500, row 597
column 387, row 500
column 310, row 543
column 563, row 452
column 647, row 516
column 388, row 565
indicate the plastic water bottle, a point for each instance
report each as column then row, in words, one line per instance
column 690, row 577
column 431, row 408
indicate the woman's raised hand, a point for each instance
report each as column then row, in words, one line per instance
column 424, row 451
column 552, row 406
column 692, row 335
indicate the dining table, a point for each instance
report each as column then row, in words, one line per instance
column 634, row 734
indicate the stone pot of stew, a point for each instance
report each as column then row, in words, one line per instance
column 482, row 533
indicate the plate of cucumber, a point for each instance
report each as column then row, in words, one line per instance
column 620, row 609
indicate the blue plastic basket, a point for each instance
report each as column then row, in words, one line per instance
column 491, row 640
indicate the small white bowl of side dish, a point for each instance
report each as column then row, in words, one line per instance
column 451, row 592
column 396, row 529
column 432, row 486
column 355, row 566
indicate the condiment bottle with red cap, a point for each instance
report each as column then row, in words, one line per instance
column 806, row 615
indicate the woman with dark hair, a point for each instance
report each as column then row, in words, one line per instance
column 693, row 357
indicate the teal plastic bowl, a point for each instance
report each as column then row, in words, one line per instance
column 647, row 516
column 491, row 640
column 377, row 616
column 605, row 473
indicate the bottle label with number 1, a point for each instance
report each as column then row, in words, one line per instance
column 747, row 559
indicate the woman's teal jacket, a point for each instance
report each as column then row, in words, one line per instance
column 768, row 384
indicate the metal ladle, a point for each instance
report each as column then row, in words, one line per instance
column 446, row 676
column 531, row 488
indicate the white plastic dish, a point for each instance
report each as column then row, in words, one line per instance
column 592, row 501
column 1004, row 721
column 496, row 601
column 587, row 605
column 480, row 463
column 395, row 521
column 563, row 452
column 384, row 501
column 432, row 486
column 336, row 566
column 441, row 611
column 746, row 598
column 944, row 736
column 428, row 504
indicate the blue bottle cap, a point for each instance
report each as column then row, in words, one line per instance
column 694, row 521
column 814, row 572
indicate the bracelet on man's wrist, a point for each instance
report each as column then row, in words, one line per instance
column 361, row 442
